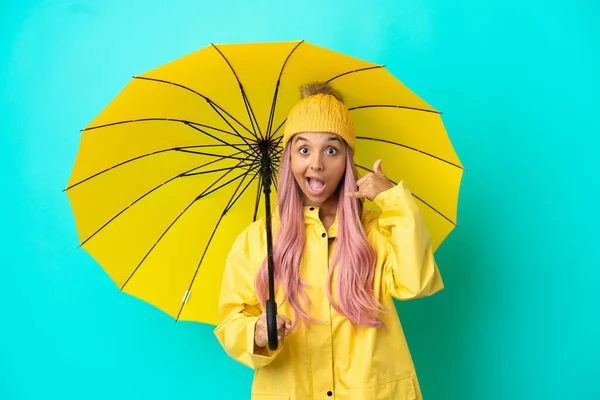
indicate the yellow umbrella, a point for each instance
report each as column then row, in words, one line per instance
column 169, row 173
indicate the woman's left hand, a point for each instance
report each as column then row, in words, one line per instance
column 372, row 184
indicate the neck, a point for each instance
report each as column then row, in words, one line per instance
column 327, row 208
column 327, row 212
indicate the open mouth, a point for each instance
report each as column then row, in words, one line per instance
column 315, row 186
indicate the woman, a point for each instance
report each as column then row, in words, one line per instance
column 337, row 269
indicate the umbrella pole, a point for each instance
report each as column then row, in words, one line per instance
column 271, row 304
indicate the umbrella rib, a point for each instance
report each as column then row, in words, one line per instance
column 434, row 209
column 146, row 194
column 227, row 207
column 373, row 106
column 181, row 149
column 207, row 192
column 276, row 94
column 274, row 171
column 416, row 197
column 232, row 203
column 276, row 156
column 355, row 71
column 221, row 140
column 202, row 146
column 410, row 148
column 191, row 124
column 278, row 128
column 214, row 155
column 167, row 230
column 198, row 267
column 209, row 101
column 215, row 170
column 272, row 116
column 231, row 126
column 247, row 104
column 276, row 145
column 159, row 119
column 393, row 106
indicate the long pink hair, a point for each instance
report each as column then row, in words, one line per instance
column 353, row 258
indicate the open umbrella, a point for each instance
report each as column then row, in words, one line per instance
column 185, row 156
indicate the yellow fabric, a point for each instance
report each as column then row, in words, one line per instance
column 320, row 113
column 366, row 364
column 164, row 180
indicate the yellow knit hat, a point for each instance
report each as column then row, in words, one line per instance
column 320, row 110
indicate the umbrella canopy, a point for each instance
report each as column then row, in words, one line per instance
column 169, row 173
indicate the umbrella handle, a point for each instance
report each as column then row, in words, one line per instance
column 272, row 324
column 266, row 171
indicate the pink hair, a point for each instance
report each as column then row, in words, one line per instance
column 354, row 257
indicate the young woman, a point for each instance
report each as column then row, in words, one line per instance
column 337, row 268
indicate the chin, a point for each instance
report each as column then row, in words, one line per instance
column 317, row 201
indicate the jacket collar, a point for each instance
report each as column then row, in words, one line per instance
column 311, row 218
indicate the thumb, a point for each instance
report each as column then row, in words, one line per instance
column 377, row 168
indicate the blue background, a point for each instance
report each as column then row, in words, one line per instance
column 518, row 84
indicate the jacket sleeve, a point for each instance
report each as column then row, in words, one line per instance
column 409, row 270
column 239, row 309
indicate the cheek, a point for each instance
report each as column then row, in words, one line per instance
column 297, row 167
column 338, row 170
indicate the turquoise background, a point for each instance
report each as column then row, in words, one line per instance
column 518, row 84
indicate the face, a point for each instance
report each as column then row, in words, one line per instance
column 318, row 165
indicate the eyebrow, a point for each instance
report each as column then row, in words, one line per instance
column 333, row 138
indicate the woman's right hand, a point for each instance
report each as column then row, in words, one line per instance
column 260, row 330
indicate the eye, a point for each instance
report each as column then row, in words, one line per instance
column 332, row 150
column 303, row 150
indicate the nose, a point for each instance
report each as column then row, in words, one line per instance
column 316, row 161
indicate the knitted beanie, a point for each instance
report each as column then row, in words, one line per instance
column 320, row 110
